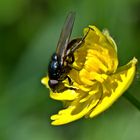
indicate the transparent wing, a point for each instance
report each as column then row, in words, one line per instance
column 65, row 36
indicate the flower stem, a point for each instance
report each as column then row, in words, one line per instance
column 132, row 99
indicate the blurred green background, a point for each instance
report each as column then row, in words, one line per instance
column 29, row 31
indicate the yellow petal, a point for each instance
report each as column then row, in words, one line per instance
column 127, row 74
column 101, row 50
column 66, row 95
column 45, row 80
column 110, row 39
column 75, row 111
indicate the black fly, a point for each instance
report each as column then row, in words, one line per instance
column 61, row 61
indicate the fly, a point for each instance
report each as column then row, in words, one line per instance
column 62, row 60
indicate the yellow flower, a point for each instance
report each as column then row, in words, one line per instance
column 98, row 82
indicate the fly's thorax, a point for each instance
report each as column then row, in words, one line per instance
column 54, row 67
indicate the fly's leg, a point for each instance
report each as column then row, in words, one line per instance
column 69, row 80
column 76, row 43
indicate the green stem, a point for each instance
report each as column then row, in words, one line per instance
column 132, row 99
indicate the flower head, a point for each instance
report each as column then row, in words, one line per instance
column 97, row 80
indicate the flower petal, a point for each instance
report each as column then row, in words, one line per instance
column 102, row 49
column 45, row 80
column 66, row 95
column 123, row 77
column 75, row 111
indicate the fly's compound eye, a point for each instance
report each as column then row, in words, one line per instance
column 53, row 84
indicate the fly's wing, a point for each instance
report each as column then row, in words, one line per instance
column 65, row 36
